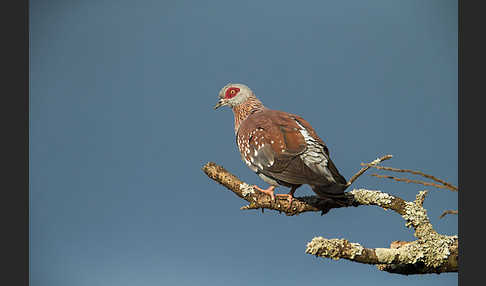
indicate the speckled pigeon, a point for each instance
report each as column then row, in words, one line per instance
column 282, row 148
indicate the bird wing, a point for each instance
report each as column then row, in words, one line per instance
column 276, row 144
column 317, row 155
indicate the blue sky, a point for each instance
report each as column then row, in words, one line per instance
column 121, row 122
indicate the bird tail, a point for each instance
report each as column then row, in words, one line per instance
column 335, row 173
column 333, row 192
column 330, row 191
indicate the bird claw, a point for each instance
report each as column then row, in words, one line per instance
column 290, row 198
column 268, row 191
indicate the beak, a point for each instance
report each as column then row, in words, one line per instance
column 220, row 103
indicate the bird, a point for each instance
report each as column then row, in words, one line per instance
column 281, row 148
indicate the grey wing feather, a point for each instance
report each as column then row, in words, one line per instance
column 263, row 157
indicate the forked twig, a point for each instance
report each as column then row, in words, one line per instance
column 364, row 169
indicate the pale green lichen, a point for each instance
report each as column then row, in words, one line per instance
column 386, row 255
column 315, row 245
column 246, row 189
column 431, row 249
column 433, row 252
column 367, row 197
column 357, row 249
column 436, row 249
column 333, row 248
column 410, row 253
column 420, row 197
column 416, row 216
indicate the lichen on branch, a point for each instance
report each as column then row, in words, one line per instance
column 430, row 253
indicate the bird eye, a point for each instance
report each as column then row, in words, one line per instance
column 231, row 92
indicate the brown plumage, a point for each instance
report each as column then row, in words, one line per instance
column 282, row 148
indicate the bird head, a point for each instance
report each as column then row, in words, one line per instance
column 233, row 94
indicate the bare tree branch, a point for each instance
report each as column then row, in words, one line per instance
column 405, row 260
column 430, row 253
column 259, row 200
column 448, row 212
column 406, row 180
column 446, row 184
column 372, row 164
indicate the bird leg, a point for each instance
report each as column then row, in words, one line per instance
column 268, row 191
column 290, row 195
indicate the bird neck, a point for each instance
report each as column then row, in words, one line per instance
column 245, row 109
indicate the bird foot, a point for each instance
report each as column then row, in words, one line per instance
column 290, row 198
column 268, row 191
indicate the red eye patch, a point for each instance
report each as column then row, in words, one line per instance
column 231, row 92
